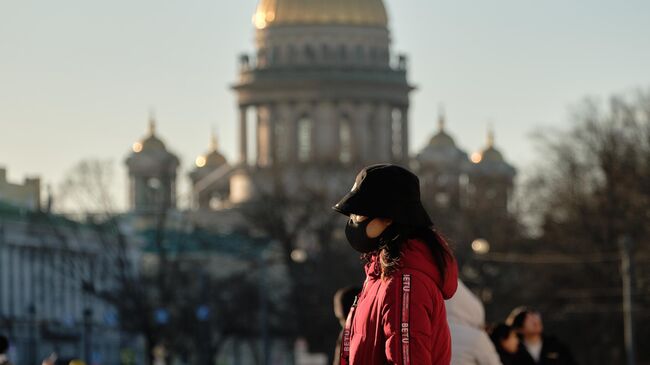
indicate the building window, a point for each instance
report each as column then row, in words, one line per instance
column 292, row 54
column 304, row 139
column 310, row 55
column 345, row 140
column 325, row 53
column 262, row 57
column 359, row 54
column 343, row 53
column 276, row 56
column 373, row 55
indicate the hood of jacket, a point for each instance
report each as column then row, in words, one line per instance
column 465, row 308
column 416, row 255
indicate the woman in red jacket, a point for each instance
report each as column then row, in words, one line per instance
column 399, row 316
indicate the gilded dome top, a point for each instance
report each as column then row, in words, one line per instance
column 442, row 148
column 490, row 153
column 346, row 12
column 213, row 158
column 442, row 139
column 151, row 142
column 491, row 161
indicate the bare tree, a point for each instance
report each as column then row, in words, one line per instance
column 592, row 191
column 299, row 217
column 174, row 301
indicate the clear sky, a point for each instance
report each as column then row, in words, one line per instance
column 78, row 77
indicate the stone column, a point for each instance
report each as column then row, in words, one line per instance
column 260, row 158
column 243, row 135
column 383, row 146
column 324, row 132
column 405, row 133
column 273, row 133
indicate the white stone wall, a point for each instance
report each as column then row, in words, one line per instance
column 41, row 276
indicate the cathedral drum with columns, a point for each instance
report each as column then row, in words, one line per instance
column 322, row 92
column 323, row 96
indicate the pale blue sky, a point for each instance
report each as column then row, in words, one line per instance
column 77, row 77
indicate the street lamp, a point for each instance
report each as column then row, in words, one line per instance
column 480, row 246
column 299, row 256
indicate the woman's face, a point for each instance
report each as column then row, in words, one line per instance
column 511, row 343
column 375, row 228
column 532, row 324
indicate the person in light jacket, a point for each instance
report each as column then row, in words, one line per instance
column 470, row 344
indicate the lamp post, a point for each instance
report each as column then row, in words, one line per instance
column 299, row 256
column 87, row 339
column 481, row 247
column 32, row 333
column 202, row 314
column 627, row 273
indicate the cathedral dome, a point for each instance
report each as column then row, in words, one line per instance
column 313, row 12
column 442, row 148
column 213, row 159
column 490, row 161
column 492, row 154
column 151, row 142
column 442, row 139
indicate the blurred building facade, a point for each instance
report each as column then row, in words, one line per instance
column 323, row 95
column 47, row 264
column 24, row 196
column 152, row 174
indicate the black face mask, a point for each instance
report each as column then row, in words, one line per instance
column 358, row 238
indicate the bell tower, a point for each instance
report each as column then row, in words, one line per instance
column 152, row 174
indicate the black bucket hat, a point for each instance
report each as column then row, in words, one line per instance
column 386, row 191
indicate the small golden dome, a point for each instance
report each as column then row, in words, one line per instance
column 150, row 142
column 213, row 158
column 442, row 139
column 490, row 153
column 346, row 12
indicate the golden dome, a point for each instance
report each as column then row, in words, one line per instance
column 151, row 142
column 347, row 12
column 213, row 158
column 442, row 139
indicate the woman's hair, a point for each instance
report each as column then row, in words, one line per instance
column 499, row 333
column 518, row 316
column 396, row 234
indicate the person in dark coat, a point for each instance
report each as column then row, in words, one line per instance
column 4, row 348
column 506, row 342
column 399, row 317
column 343, row 301
column 537, row 348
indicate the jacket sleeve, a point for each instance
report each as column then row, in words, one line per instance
column 406, row 318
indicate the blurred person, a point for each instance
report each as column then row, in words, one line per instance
column 399, row 317
column 343, row 301
column 69, row 361
column 535, row 347
column 4, row 349
column 506, row 342
column 50, row 360
column 470, row 344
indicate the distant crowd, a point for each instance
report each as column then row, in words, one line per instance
column 53, row 359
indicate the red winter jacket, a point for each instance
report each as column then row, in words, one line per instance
column 401, row 319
